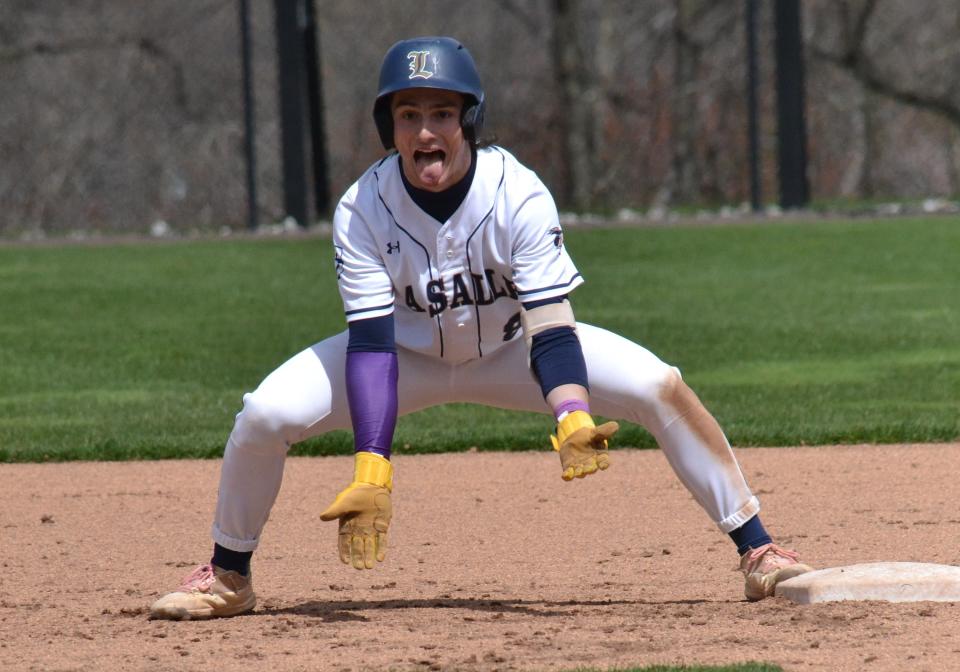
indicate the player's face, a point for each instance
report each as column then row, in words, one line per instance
column 427, row 133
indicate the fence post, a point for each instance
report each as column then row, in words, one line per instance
column 290, row 76
column 318, row 144
column 249, row 130
column 791, row 131
column 753, row 116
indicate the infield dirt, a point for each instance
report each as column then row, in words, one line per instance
column 494, row 563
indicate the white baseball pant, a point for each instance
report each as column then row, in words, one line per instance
column 306, row 396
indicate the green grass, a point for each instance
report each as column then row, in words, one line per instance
column 791, row 333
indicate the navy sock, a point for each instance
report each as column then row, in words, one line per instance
column 237, row 561
column 750, row 535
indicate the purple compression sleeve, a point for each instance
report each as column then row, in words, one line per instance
column 372, row 395
column 569, row 406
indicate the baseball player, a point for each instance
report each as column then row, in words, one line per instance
column 455, row 283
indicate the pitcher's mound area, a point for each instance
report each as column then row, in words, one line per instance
column 886, row 581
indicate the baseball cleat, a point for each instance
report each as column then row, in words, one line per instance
column 208, row 592
column 767, row 566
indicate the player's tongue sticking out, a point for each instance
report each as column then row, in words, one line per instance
column 429, row 166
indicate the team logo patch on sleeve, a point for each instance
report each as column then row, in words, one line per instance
column 338, row 260
column 557, row 234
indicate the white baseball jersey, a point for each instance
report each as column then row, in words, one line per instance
column 454, row 288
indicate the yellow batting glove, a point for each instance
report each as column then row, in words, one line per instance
column 582, row 445
column 364, row 510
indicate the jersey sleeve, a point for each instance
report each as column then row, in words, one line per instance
column 542, row 269
column 365, row 285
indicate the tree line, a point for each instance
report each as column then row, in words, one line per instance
column 118, row 116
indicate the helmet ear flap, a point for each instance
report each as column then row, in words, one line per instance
column 471, row 120
column 384, row 121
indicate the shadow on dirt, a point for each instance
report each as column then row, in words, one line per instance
column 347, row 610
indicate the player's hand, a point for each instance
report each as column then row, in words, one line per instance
column 364, row 510
column 582, row 445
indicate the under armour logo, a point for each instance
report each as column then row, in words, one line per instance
column 393, row 246
column 418, row 65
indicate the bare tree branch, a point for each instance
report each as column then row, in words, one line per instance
column 860, row 28
column 144, row 45
column 194, row 18
column 526, row 20
column 854, row 60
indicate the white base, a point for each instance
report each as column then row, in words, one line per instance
column 886, row 581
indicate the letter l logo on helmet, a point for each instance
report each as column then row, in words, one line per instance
column 418, row 65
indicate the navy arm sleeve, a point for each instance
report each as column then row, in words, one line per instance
column 556, row 356
column 374, row 334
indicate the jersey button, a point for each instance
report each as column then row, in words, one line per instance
column 449, row 254
column 449, row 237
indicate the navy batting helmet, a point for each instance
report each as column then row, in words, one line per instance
column 433, row 63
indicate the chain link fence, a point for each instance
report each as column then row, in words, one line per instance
column 123, row 117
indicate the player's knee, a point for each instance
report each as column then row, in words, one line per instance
column 670, row 386
column 263, row 425
column 675, row 395
column 665, row 397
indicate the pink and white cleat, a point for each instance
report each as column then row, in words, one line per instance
column 767, row 566
column 208, row 592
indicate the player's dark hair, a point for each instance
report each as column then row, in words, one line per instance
column 486, row 141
